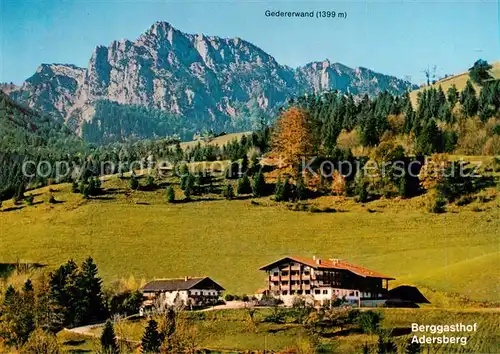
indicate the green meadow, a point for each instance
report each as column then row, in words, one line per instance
column 450, row 255
column 227, row 330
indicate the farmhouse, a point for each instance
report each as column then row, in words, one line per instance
column 323, row 280
column 192, row 292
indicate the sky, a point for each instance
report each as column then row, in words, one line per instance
column 400, row 38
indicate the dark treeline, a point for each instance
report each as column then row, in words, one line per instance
column 70, row 296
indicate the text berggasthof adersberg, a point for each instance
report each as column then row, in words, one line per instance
column 446, row 332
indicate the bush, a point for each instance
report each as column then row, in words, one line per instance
column 369, row 321
column 41, row 342
column 438, row 206
column 229, row 297
column 29, row 200
column 464, row 200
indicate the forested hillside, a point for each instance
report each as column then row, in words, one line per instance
column 28, row 135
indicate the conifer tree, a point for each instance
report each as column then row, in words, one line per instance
column 189, row 186
column 91, row 289
column 412, row 348
column 109, row 344
column 170, row 195
column 300, row 187
column 452, row 96
column 244, row 186
column 151, row 340
column 287, row 189
column 228, row 192
column 278, row 190
column 259, row 184
column 134, row 183
column 469, row 100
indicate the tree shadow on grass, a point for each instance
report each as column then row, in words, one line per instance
column 74, row 342
column 13, row 208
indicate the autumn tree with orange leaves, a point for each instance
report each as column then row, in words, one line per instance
column 292, row 136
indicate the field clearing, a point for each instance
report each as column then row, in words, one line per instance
column 460, row 80
column 229, row 330
column 220, row 140
column 141, row 235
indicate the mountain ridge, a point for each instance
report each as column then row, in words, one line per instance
column 221, row 83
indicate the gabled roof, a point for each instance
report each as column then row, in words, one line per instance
column 181, row 284
column 330, row 264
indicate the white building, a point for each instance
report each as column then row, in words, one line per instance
column 192, row 292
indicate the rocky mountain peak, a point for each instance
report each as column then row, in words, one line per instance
column 192, row 75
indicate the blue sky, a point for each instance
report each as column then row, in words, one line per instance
column 400, row 38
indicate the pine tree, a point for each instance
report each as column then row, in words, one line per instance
column 244, row 186
column 381, row 349
column 74, row 187
column 92, row 291
column 228, row 192
column 170, row 195
column 479, row 72
column 300, row 187
column 452, row 95
column 108, row 339
column 259, row 184
column 151, row 340
column 279, row 191
column 469, row 100
column 403, row 189
column 28, row 286
column 189, row 186
column 134, row 183
column 244, row 165
column 9, row 295
column 287, row 189
column 413, row 348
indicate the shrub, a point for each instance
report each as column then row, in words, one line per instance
column 29, row 200
column 41, row 342
column 437, row 203
column 150, row 182
column 464, row 200
column 229, row 297
column 369, row 321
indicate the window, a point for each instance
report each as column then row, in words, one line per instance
column 325, row 292
column 275, row 274
column 306, row 272
column 306, row 282
column 284, row 292
column 317, row 291
column 307, row 292
column 284, row 273
column 284, row 283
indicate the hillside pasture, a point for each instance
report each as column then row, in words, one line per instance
column 136, row 233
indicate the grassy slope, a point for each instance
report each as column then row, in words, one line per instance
column 229, row 329
column 459, row 80
column 221, row 140
column 230, row 240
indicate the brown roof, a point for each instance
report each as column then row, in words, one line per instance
column 180, row 284
column 331, row 264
